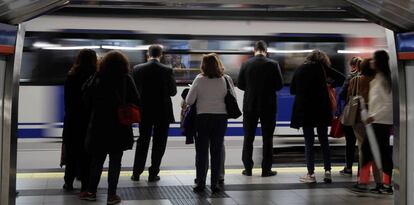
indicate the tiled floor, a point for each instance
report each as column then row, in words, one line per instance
column 45, row 189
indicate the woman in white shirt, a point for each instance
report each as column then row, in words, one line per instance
column 381, row 117
column 208, row 91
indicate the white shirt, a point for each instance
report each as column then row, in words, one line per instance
column 209, row 94
column 380, row 101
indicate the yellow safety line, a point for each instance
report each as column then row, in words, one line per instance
column 42, row 175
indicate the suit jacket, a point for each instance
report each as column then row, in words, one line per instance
column 260, row 78
column 156, row 84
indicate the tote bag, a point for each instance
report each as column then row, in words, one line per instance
column 232, row 108
column 128, row 113
column 350, row 111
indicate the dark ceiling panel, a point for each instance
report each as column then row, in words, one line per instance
column 397, row 15
column 17, row 11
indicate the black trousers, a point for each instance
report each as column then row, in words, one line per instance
column 211, row 129
column 350, row 146
column 159, row 132
column 382, row 134
column 250, row 122
column 77, row 165
column 97, row 163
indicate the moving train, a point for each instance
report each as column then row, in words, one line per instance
column 52, row 42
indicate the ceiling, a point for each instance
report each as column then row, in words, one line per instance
column 397, row 15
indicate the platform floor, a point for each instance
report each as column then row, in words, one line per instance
column 175, row 188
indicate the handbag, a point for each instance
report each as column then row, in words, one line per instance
column 128, row 113
column 232, row 108
column 336, row 128
column 350, row 111
column 188, row 124
column 332, row 97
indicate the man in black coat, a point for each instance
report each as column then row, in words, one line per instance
column 260, row 78
column 156, row 84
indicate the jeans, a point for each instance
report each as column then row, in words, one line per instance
column 309, row 135
column 211, row 129
column 350, row 146
column 98, row 160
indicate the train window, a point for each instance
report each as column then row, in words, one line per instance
column 48, row 57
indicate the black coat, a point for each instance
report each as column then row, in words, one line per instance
column 76, row 114
column 312, row 107
column 156, row 84
column 105, row 133
column 260, row 78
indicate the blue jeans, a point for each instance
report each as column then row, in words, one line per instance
column 309, row 135
column 210, row 134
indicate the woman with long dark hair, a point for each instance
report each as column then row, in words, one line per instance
column 76, row 120
column 381, row 117
column 112, row 87
column 312, row 108
column 208, row 91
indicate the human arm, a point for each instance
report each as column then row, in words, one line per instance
column 241, row 80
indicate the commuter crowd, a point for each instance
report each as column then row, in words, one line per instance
column 104, row 97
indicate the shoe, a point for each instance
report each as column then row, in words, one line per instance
column 377, row 189
column 215, row 189
column 359, row 188
column 195, row 181
column 153, row 178
column 221, row 182
column 113, row 199
column 387, row 190
column 83, row 195
column 247, row 172
column 327, row 178
column 269, row 173
column 199, row 189
column 88, row 196
column 346, row 172
column 135, row 178
column 67, row 187
column 308, row 178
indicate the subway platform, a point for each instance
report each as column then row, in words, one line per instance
column 175, row 188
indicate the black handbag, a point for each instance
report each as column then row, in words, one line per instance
column 232, row 108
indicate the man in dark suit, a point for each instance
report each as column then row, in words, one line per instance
column 260, row 78
column 156, row 84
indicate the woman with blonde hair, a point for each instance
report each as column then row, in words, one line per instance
column 208, row 91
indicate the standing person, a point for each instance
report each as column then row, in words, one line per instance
column 111, row 88
column 312, row 109
column 349, row 132
column 381, row 117
column 76, row 120
column 260, row 78
column 208, row 91
column 156, row 84
column 359, row 86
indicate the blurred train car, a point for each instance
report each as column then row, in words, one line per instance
column 52, row 43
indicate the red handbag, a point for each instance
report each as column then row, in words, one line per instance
column 332, row 97
column 336, row 128
column 129, row 114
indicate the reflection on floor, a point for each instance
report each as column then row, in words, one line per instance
column 175, row 188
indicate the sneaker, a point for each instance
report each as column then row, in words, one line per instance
column 387, row 189
column 377, row 189
column 327, row 178
column 113, row 199
column 359, row 188
column 308, row 178
column 88, row 196
column 346, row 172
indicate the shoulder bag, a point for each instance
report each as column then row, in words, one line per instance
column 128, row 113
column 232, row 108
column 350, row 111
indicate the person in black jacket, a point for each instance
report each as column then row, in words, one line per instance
column 260, row 78
column 112, row 88
column 76, row 120
column 156, row 84
column 312, row 107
